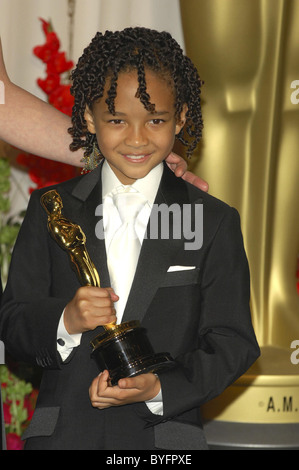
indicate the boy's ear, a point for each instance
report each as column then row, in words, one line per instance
column 182, row 119
column 88, row 116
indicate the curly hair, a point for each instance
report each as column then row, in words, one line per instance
column 134, row 49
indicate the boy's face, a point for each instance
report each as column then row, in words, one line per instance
column 134, row 140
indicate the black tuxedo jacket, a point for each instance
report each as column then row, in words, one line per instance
column 200, row 316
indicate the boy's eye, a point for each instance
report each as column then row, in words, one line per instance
column 157, row 121
column 116, row 121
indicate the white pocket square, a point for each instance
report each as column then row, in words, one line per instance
column 180, row 268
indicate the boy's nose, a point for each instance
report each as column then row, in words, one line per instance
column 136, row 137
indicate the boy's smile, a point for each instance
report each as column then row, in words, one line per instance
column 134, row 140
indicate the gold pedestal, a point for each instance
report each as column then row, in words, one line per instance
column 267, row 393
column 261, row 409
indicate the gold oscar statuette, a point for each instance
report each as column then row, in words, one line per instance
column 124, row 349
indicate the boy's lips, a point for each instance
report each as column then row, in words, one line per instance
column 136, row 158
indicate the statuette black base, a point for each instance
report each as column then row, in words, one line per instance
column 125, row 351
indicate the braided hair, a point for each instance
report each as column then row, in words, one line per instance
column 134, row 49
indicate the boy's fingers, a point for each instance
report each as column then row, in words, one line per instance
column 103, row 380
column 136, row 382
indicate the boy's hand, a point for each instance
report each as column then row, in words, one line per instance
column 130, row 390
column 179, row 167
column 90, row 307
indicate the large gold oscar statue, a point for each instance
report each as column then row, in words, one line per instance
column 247, row 52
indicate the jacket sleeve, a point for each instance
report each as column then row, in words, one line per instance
column 29, row 315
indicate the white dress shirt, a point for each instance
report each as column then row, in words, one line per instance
column 148, row 186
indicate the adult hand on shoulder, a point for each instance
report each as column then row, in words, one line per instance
column 178, row 165
column 141, row 388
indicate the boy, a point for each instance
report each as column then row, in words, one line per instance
column 134, row 92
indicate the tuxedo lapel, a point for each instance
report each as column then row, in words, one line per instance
column 157, row 254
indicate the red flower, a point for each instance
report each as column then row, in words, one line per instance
column 62, row 99
column 57, row 63
column 46, row 51
column 6, row 413
column 44, row 172
column 29, row 403
column 14, row 442
column 50, row 83
column 46, row 26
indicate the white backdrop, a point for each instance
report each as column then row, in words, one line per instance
column 20, row 31
column 20, row 28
